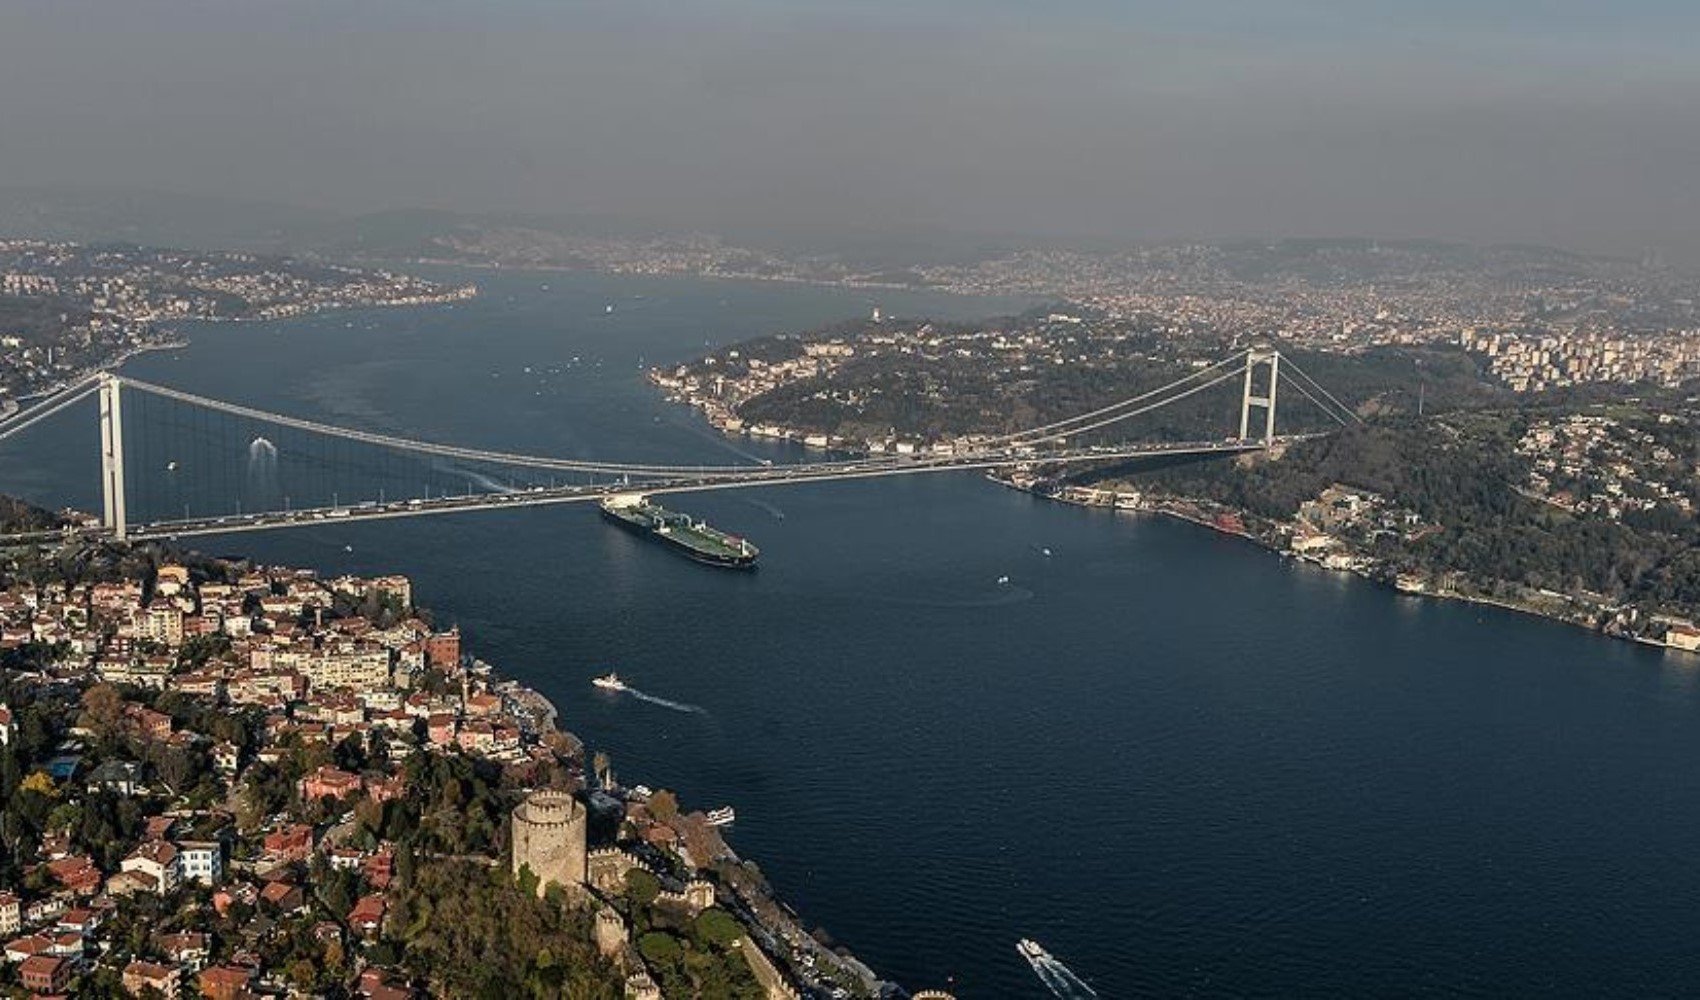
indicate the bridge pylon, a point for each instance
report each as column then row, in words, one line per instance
column 113, row 514
column 1260, row 357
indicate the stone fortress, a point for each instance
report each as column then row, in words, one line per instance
column 549, row 829
column 549, row 838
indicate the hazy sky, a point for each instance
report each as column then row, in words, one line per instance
column 1574, row 122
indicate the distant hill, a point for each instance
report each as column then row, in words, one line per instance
column 151, row 218
column 198, row 222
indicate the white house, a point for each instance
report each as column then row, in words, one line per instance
column 157, row 859
column 200, row 861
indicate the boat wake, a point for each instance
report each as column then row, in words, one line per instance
column 677, row 706
column 1059, row 978
column 719, row 440
column 778, row 515
column 489, row 483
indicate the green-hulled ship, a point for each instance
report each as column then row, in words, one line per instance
column 695, row 539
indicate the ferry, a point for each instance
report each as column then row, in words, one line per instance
column 1032, row 950
column 610, row 682
column 724, row 816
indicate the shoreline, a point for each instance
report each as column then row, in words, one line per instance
column 704, row 275
column 178, row 340
column 1165, row 510
column 769, row 918
column 724, row 419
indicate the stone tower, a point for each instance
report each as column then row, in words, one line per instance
column 610, row 932
column 548, row 835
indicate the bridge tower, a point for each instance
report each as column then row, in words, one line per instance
column 112, row 455
column 1260, row 357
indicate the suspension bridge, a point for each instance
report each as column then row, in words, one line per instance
column 282, row 471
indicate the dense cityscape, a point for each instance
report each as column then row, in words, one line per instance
column 1542, row 319
column 249, row 781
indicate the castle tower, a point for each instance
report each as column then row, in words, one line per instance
column 548, row 836
column 610, row 932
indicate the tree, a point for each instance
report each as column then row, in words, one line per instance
column 472, row 932
column 41, row 783
column 642, row 887
column 664, row 806
column 103, row 711
column 65, row 816
column 661, row 948
column 716, row 927
column 701, row 840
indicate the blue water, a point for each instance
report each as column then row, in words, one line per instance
column 1184, row 765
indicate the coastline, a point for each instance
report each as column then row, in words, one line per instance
column 784, row 279
column 176, row 339
column 1169, row 508
column 780, row 938
column 1226, row 521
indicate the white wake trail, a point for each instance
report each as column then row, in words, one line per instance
column 490, row 483
column 677, row 706
column 1060, row 979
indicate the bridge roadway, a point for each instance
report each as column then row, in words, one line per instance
column 776, row 475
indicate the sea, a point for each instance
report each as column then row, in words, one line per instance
column 951, row 716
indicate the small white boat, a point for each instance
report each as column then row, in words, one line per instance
column 610, row 682
column 1003, row 581
column 724, row 816
column 641, row 792
column 1032, row 950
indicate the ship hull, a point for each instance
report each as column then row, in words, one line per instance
column 637, row 527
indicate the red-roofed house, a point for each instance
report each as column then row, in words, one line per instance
column 225, row 982
column 140, row 976
column 33, row 944
column 285, row 897
column 189, row 948
column 293, row 843
column 330, row 781
column 45, row 973
column 367, row 915
column 76, row 873
column 157, row 858
column 379, row 869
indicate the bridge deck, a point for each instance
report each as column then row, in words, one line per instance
column 765, row 476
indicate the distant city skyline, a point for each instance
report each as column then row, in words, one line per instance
column 1559, row 123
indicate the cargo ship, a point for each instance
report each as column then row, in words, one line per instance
column 634, row 512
